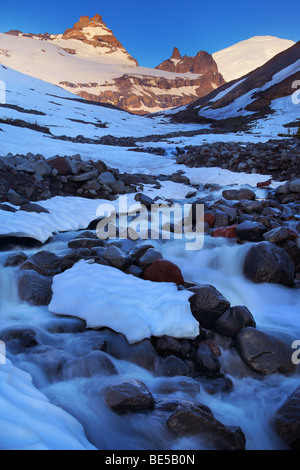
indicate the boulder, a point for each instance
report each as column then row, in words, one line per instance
column 189, row 419
column 117, row 257
column 172, row 366
column 234, row 320
column 264, row 353
column 206, row 361
column 16, row 259
column 294, row 186
column 34, row 288
column 277, row 235
column 61, row 164
column 287, row 421
column 42, row 168
column 225, row 232
column 129, row 395
column 207, row 304
column 166, row 346
column 162, row 270
column 265, row 262
column 14, row 198
column 79, row 242
column 250, row 231
column 30, row 207
column 45, row 263
column 144, row 200
column 148, row 258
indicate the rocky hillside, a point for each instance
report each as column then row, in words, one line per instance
column 266, row 91
column 90, row 61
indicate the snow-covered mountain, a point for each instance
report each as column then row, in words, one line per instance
column 245, row 56
column 264, row 97
column 88, row 60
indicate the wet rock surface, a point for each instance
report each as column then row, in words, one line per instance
column 287, row 420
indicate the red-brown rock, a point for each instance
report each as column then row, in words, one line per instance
column 210, row 219
column 162, row 270
column 293, row 235
column 264, row 184
column 225, row 232
column 61, row 164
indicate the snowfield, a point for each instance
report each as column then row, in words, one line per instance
column 245, row 56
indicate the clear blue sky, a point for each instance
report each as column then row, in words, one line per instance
column 150, row 30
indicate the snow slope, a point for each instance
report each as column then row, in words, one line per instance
column 87, row 71
column 241, row 58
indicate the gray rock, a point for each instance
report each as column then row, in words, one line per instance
column 207, row 304
column 94, row 363
column 234, row 320
column 90, row 175
column 294, row 186
column 130, row 395
column 31, row 207
column 106, row 178
column 144, row 200
column 172, row 366
column 16, row 259
column 206, row 361
column 277, row 235
column 42, row 168
column 265, row 262
column 196, row 419
column 118, row 187
column 117, row 257
column 264, row 353
column 250, row 231
column 14, row 198
column 34, row 288
column 45, row 263
column 287, row 421
column 148, row 257
column 85, row 243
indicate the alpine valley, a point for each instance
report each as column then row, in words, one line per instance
column 178, row 329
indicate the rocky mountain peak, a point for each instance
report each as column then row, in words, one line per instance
column 94, row 31
column 202, row 63
column 176, row 54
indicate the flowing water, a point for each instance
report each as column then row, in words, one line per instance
column 66, row 366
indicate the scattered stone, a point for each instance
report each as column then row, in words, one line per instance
column 148, row 258
column 196, row 419
column 250, row 231
column 234, row 320
column 130, row 395
column 16, row 259
column 34, row 288
column 266, row 262
column 206, row 361
column 45, row 263
column 31, row 207
column 14, row 198
column 264, row 353
column 117, row 257
column 287, row 421
column 207, row 305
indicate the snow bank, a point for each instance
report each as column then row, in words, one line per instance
column 29, row 421
column 65, row 214
column 106, row 297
